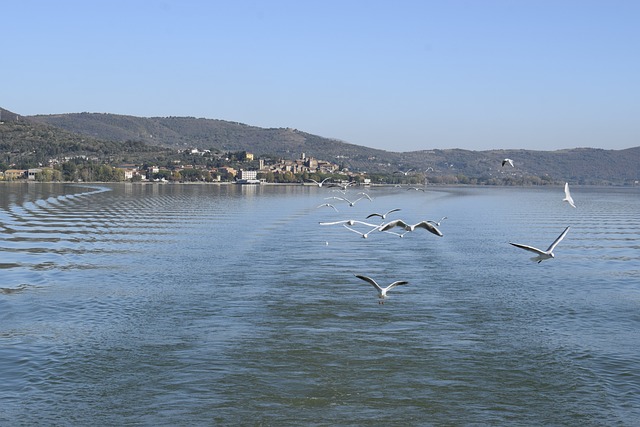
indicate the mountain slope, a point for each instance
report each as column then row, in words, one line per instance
column 582, row 165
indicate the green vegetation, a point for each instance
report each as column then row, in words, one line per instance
column 89, row 146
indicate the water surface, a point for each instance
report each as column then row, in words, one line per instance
column 230, row 305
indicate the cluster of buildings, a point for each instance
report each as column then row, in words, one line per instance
column 301, row 165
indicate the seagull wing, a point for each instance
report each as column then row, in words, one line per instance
column 375, row 214
column 391, row 211
column 371, row 281
column 528, row 248
column 567, row 195
column 560, row 237
column 429, row 227
column 396, row 283
column 396, row 223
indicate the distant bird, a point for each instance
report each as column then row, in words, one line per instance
column 351, row 203
column 382, row 292
column 416, row 188
column 408, row 227
column 542, row 255
column 329, row 205
column 437, row 223
column 507, row 161
column 567, row 195
column 349, row 222
column 343, row 186
column 384, row 215
column 319, row 184
column 405, row 173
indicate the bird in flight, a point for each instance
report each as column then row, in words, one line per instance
column 567, row 195
column 405, row 173
column 384, row 215
column 507, row 161
column 319, row 184
column 329, row 205
column 409, row 227
column 351, row 203
column 382, row 292
column 542, row 255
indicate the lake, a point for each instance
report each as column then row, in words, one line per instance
column 155, row 304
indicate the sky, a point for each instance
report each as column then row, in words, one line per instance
column 394, row 75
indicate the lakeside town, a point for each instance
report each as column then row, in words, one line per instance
column 241, row 167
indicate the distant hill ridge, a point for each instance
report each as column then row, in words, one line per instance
column 579, row 166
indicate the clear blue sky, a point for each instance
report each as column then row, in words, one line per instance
column 395, row 75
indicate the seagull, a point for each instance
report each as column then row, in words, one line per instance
column 542, row 255
column 350, row 222
column 384, row 215
column 415, row 188
column 329, row 205
column 400, row 223
column 382, row 292
column 436, row 223
column 351, row 203
column 344, row 186
column 507, row 161
column 364, row 235
column 405, row 173
column 567, row 195
column 319, row 184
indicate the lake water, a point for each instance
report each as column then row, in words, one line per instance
column 230, row 305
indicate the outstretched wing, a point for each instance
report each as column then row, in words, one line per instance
column 567, row 195
column 397, row 223
column 560, row 237
column 396, row 283
column 528, row 248
column 429, row 227
column 369, row 280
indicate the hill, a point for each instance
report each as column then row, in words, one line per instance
column 27, row 143
column 581, row 166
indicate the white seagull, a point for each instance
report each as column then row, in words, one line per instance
column 408, row 227
column 350, row 222
column 319, row 184
column 352, row 203
column 329, row 205
column 507, row 161
column 405, row 173
column 542, row 255
column 567, row 195
column 382, row 292
column 384, row 215
column 363, row 235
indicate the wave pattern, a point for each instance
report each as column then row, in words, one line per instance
column 174, row 304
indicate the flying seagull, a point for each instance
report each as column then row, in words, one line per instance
column 567, row 195
column 408, row 227
column 507, row 161
column 405, row 173
column 350, row 222
column 384, row 215
column 363, row 235
column 329, row 205
column 542, row 255
column 319, row 184
column 382, row 292
column 352, row 203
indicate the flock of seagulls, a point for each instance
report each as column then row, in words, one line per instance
column 429, row 225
